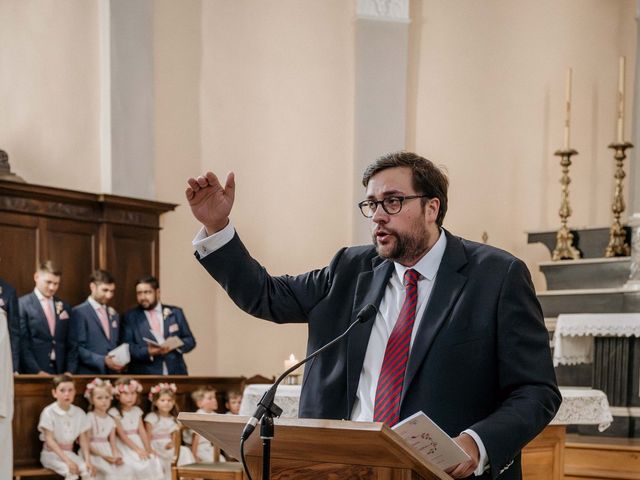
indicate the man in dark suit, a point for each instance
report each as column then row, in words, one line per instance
column 157, row 322
column 459, row 333
column 9, row 303
column 44, row 324
column 95, row 329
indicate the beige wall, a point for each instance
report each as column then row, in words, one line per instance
column 488, row 85
column 49, row 91
column 266, row 89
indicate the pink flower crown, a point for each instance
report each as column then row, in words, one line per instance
column 132, row 387
column 156, row 389
column 97, row 383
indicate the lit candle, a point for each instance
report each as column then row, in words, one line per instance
column 567, row 112
column 620, row 124
column 290, row 362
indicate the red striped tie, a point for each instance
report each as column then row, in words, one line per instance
column 389, row 390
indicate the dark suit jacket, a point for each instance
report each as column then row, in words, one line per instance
column 36, row 340
column 480, row 359
column 88, row 342
column 136, row 327
column 9, row 301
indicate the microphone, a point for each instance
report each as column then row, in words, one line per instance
column 266, row 402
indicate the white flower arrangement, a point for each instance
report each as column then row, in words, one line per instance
column 59, row 307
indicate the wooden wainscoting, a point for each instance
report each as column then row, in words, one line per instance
column 601, row 458
column 543, row 457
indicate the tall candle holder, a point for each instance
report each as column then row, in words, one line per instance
column 618, row 246
column 564, row 238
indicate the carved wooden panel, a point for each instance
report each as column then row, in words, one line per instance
column 19, row 250
column 131, row 253
column 73, row 245
column 80, row 231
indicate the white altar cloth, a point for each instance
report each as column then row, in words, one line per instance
column 573, row 337
column 580, row 406
column 583, row 406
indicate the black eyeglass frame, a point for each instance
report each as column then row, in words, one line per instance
column 368, row 204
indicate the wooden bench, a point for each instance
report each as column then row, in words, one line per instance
column 33, row 393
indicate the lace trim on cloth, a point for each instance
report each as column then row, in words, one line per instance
column 583, row 406
column 573, row 337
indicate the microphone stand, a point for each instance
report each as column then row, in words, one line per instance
column 267, row 409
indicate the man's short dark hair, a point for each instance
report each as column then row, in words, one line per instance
column 427, row 178
column 50, row 267
column 101, row 276
column 149, row 280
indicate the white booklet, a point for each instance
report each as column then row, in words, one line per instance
column 430, row 441
column 171, row 342
column 121, row 354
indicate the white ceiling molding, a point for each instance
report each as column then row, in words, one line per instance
column 386, row 10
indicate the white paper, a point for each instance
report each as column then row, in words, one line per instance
column 430, row 441
column 121, row 354
column 171, row 342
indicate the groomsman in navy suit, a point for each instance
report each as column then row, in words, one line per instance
column 44, row 324
column 9, row 303
column 157, row 322
column 95, row 329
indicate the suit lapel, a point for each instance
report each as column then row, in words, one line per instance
column 369, row 289
column 143, row 322
column 446, row 290
column 37, row 307
column 98, row 321
column 165, row 323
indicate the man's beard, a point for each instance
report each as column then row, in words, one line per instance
column 149, row 306
column 408, row 248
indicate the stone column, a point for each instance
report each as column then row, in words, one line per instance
column 381, row 50
column 127, row 153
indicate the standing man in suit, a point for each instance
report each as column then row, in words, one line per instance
column 8, row 366
column 44, row 324
column 9, row 303
column 458, row 334
column 155, row 321
column 95, row 329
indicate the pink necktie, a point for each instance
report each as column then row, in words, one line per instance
column 104, row 320
column 51, row 318
column 396, row 354
column 155, row 321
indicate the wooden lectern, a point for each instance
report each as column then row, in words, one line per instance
column 306, row 448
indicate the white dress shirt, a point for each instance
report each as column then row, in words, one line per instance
column 388, row 312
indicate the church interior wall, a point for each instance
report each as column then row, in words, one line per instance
column 266, row 89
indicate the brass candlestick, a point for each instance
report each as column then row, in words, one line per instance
column 618, row 246
column 564, row 238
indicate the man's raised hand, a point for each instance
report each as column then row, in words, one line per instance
column 211, row 203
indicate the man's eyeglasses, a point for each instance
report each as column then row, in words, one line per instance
column 391, row 205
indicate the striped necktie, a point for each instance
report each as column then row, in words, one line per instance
column 396, row 354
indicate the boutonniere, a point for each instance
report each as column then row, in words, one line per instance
column 166, row 312
column 59, row 307
column 112, row 311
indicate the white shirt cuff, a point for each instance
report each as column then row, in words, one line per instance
column 205, row 245
column 483, row 461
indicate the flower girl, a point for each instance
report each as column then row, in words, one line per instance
column 161, row 425
column 105, row 456
column 132, row 436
